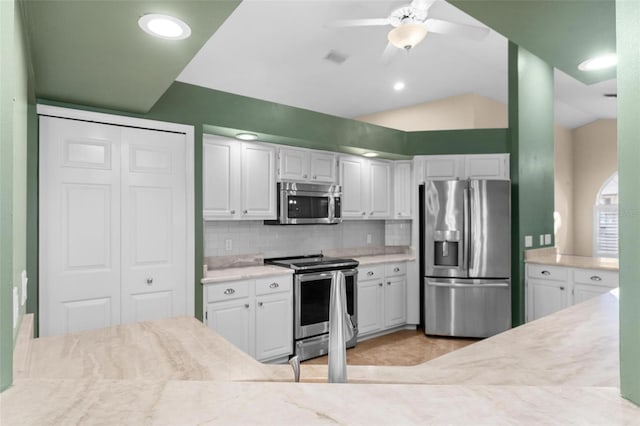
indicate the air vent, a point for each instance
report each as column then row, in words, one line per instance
column 610, row 95
column 336, row 57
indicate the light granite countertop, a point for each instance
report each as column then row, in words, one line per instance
column 548, row 256
column 385, row 258
column 561, row 369
column 243, row 273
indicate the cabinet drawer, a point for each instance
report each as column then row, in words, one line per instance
column 269, row 285
column 595, row 277
column 395, row 269
column 373, row 272
column 227, row 291
column 547, row 272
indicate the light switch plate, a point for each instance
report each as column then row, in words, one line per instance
column 547, row 239
column 541, row 240
column 24, row 287
column 528, row 241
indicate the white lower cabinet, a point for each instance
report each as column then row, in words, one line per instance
column 382, row 298
column 255, row 315
column 551, row 288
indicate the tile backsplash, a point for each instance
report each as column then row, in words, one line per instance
column 397, row 233
column 224, row 238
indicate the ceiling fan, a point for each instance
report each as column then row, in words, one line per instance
column 411, row 24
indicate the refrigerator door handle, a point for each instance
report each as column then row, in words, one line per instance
column 457, row 285
column 466, row 223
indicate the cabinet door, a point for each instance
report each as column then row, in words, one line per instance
column 402, row 189
column 546, row 297
column 293, row 164
column 258, row 182
column 323, row 167
column 395, row 301
column 221, row 178
column 443, row 167
column 370, row 306
column 352, row 179
column 379, row 190
column 582, row 292
column 487, row 166
column 233, row 321
column 274, row 326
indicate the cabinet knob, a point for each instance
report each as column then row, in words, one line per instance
column 274, row 285
column 596, row 278
column 396, row 269
column 260, row 303
column 380, row 285
column 545, row 272
column 246, row 305
column 245, row 211
column 232, row 212
column 562, row 288
column 370, row 273
column 304, row 176
column 371, row 214
column 364, row 213
column 229, row 291
column 388, row 282
column 149, row 281
column 315, row 177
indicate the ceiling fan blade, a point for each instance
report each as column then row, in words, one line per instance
column 359, row 22
column 388, row 53
column 459, row 30
column 422, row 4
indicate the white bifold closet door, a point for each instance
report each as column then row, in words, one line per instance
column 112, row 225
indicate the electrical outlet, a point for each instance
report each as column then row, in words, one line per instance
column 368, row 238
column 24, row 287
column 228, row 244
column 547, row 239
column 528, row 241
column 541, row 240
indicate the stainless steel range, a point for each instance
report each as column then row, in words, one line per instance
column 311, row 291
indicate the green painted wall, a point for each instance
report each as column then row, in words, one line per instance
column 531, row 134
column 628, row 40
column 13, row 155
column 473, row 141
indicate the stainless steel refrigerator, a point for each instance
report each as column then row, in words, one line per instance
column 466, row 256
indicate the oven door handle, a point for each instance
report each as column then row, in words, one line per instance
column 312, row 276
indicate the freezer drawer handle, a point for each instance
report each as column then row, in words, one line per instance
column 229, row 291
column 545, row 272
column 454, row 285
column 596, row 278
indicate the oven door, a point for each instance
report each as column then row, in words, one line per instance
column 311, row 292
column 307, row 207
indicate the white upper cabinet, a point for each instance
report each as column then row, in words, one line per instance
column 258, row 181
column 239, row 179
column 402, row 190
column 366, row 188
column 379, row 190
column 306, row 165
column 486, row 166
column 221, row 174
column 476, row 166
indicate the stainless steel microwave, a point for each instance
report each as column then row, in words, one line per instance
column 307, row 204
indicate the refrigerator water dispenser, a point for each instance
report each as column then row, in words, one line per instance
column 445, row 248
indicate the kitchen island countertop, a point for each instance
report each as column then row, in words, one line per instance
column 586, row 262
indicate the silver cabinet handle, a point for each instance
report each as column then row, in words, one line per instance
column 380, row 285
column 364, row 213
column 260, row 303
column 562, row 288
column 545, row 273
column 396, row 269
column 149, row 281
column 274, row 285
column 232, row 212
column 246, row 305
column 245, row 211
column 229, row 291
column 596, row 278
column 370, row 273
column 388, row 282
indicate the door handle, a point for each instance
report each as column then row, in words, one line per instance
column 229, row 291
column 455, row 285
column 545, row 273
column 596, row 278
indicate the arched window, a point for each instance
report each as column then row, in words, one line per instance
column 605, row 219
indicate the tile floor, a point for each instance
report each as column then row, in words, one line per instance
column 402, row 348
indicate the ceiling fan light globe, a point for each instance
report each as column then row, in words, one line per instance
column 406, row 36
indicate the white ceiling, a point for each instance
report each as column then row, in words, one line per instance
column 275, row 50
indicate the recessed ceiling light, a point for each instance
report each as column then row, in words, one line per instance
column 599, row 62
column 398, row 86
column 247, row 136
column 370, row 154
column 164, row 26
